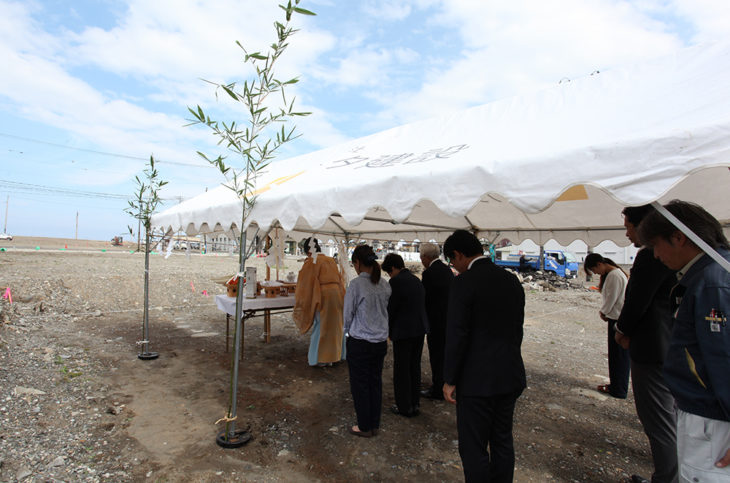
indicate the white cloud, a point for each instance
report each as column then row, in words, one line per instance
column 43, row 92
column 367, row 67
column 318, row 128
column 516, row 47
column 709, row 17
column 171, row 39
column 496, row 49
column 16, row 23
column 163, row 45
column 387, row 10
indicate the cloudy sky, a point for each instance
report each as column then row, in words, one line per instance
column 90, row 89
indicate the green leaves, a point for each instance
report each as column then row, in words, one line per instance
column 230, row 92
column 256, row 56
column 289, row 9
column 255, row 143
column 303, row 11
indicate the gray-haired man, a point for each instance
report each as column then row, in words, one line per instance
column 436, row 278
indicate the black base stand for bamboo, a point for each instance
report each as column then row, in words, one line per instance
column 148, row 356
column 238, row 439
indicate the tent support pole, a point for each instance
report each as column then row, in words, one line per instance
column 589, row 250
column 338, row 226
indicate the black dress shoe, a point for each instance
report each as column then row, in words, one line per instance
column 408, row 414
column 430, row 394
column 639, row 479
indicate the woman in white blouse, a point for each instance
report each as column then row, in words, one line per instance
column 612, row 287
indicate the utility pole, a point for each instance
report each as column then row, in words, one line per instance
column 77, row 225
column 7, row 203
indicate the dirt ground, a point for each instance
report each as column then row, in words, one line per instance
column 76, row 404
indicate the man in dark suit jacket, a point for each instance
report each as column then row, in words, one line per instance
column 407, row 324
column 483, row 369
column 436, row 279
column 644, row 327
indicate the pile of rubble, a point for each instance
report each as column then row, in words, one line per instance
column 547, row 281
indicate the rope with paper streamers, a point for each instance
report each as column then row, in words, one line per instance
column 226, row 419
column 276, row 251
column 342, row 259
column 239, row 274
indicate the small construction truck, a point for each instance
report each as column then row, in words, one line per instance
column 562, row 263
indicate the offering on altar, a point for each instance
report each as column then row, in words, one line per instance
column 271, row 289
column 251, row 284
column 287, row 288
column 232, row 286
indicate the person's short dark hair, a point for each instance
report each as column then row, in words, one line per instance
column 391, row 261
column 697, row 219
column 634, row 214
column 463, row 242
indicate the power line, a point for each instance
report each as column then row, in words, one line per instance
column 52, row 200
column 103, row 153
column 50, row 190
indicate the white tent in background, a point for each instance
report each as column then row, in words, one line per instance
column 558, row 164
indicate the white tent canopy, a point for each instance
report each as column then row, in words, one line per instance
column 558, row 164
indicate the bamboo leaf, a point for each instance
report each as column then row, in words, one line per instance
column 304, row 11
column 230, row 92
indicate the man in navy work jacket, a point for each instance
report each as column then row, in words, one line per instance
column 697, row 366
column 483, row 369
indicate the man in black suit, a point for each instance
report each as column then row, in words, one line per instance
column 436, row 279
column 407, row 324
column 483, row 369
column 644, row 327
